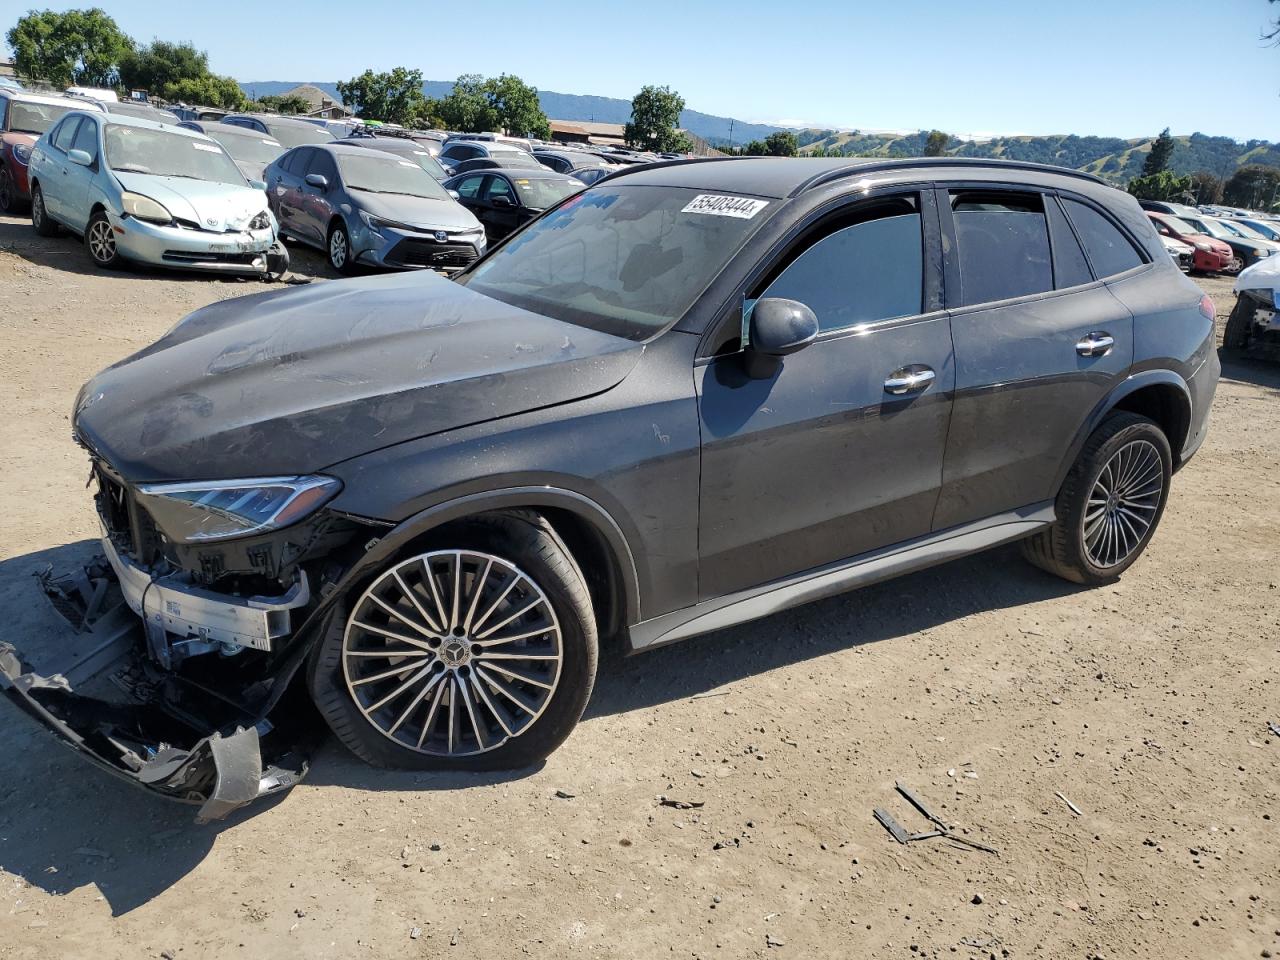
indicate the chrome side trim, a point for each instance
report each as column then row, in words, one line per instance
column 188, row 611
column 721, row 612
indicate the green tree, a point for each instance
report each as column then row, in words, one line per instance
column 935, row 145
column 1254, row 186
column 754, row 148
column 1158, row 158
column 79, row 46
column 1160, row 186
column 1206, row 186
column 285, row 104
column 655, row 118
column 781, row 144
column 179, row 72
column 516, row 106
column 467, row 108
column 394, row 97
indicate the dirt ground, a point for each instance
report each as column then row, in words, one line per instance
column 987, row 686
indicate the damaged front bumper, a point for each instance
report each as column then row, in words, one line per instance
column 105, row 692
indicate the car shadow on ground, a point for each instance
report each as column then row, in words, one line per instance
column 65, row 825
column 66, row 252
column 1261, row 373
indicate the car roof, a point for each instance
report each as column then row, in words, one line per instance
column 52, row 99
column 343, row 149
column 520, row 173
column 387, row 144
column 274, row 118
column 124, row 120
column 779, row 177
column 229, row 129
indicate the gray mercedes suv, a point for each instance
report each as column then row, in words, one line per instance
column 692, row 395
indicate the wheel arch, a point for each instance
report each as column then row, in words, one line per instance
column 1160, row 395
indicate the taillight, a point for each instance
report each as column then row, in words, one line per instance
column 1206, row 307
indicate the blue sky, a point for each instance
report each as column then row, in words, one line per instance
column 1108, row 68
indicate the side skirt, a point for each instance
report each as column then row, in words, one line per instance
column 868, row 568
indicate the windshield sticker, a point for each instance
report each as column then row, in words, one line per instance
column 743, row 208
column 207, row 148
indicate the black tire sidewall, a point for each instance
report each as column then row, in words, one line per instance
column 10, row 205
column 563, row 585
column 1115, row 433
column 46, row 227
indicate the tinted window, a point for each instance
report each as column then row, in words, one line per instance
column 1070, row 268
column 323, row 164
column 64, row 136
column 469, row 187
column 1003, row 243
column 869, row 267
column 461, row 152
column 87, row 138
column 1109, row 250
column 295, row 162
column 498, row 187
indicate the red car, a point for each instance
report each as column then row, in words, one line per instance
column 1211, row 254
column 23, row 118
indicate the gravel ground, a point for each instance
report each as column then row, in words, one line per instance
column 986, row 685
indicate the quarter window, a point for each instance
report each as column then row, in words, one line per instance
column 1003, row 245
column 864, row 267
column 1109, row 250
column 1070, row 268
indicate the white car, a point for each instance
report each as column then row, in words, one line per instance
column 1182, row 253
column 1254, row 325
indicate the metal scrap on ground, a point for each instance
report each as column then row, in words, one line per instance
column 901, row 834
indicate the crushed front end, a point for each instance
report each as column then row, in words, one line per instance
column 175, row 670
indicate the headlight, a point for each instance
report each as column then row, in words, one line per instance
column 376, row 224
column 222, row 509
column 1260, row 252
column 22, row 153
column 144, row 208
column 261, row 222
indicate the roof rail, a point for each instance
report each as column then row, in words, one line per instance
column 870, row 165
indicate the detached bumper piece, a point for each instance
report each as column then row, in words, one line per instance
column 105, row 697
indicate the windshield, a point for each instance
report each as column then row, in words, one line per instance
column 1243, row 229
column 542, row 192
column 295, row 136
column 1213, row 228
column 375, row 174
column 251, row 148
column 35, row 117
column 628, row 261
column 163, row 154
column 1180, row 226
column 1266, row 230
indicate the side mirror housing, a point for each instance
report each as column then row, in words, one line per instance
column 502, row 201
column 777, row 329
column 258, row 184
column 455, row 194
column 317, row 180
column 81, row 157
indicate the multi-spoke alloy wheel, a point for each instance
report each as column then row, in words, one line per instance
column 100, row 238
column 452, row 653
column 1123, row 503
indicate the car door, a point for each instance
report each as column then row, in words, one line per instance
column 502, row 208
column 78, row 179
column 285, row 190
column 1039, row 342
column 315, row 204
column 53, row 178
column 831, row 457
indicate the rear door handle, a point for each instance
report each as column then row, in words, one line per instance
column 909, row 379
column 1097, row 344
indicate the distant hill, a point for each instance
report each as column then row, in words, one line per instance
column 565, row 106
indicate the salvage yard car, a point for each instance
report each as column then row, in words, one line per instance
column 252, row 150
column 1211, row 255
column 696, row 394
column 145, row 192
column 23, row 118
column 363, row 206
column 505, row 199
column 1253, row 328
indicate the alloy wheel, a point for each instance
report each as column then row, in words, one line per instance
column 1123, row 503
column 452, row 653
column 338, row 249
column 102, row 241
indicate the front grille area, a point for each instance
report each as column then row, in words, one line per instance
column 427, row 253
column 190, row 256
column 130, row 527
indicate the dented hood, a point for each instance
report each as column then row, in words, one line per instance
column 215, row 206
column 293, row 381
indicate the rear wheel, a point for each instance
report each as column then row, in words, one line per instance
column 476, row 651
column 100, row 241
column 1110, row 504
column 40, row 220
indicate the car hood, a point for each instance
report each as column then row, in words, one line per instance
column 294, row 381
column 1176, row 245
column 1263, row 275
column 215, row 206
column 445, row 214
column 15, row 137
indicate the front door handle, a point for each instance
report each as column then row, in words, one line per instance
column 1096, row 344
column 910, row 379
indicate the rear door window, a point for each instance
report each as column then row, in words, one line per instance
column 1003, row 244
column 1109, row 250
column 863, row 267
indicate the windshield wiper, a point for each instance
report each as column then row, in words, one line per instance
column 398, row 193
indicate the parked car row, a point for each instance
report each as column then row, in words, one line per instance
column 1223, row 241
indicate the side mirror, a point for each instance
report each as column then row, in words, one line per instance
column 455, row 194
column 317, row 180
column 81, row 157
column 502, row 200
column 778, row 328
column 258, row 184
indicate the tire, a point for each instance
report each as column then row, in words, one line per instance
column 451, row 713
column 1100, row 551
column 1235, row 339
column 8, row 193
column 100, row 241
column 338, row 248
column 41, row 222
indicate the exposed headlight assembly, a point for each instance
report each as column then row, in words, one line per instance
column 261, row 222
column 22, row 153
column 198, row 512
column 144, row 208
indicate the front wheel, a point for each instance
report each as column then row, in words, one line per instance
column 339, row 248
column 476, row 651
column 100, row 240
column 1110, row 504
